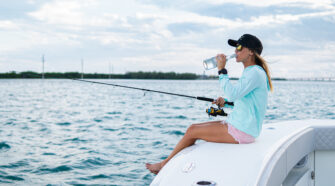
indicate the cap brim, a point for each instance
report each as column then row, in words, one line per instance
column 232, row 42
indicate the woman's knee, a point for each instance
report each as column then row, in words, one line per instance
column 191, row 130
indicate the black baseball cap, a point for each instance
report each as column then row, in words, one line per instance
column 249, row 41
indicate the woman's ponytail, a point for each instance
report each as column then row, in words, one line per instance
column 262, row 63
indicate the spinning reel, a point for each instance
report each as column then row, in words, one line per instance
column 212, row 111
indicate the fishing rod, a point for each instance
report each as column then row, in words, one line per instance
column 212, row 111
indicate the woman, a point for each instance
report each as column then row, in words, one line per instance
column 249, row 95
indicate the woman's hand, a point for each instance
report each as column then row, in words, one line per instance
column 221, row 59
column 219, row 102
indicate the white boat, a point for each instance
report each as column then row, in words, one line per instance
column 300, row 153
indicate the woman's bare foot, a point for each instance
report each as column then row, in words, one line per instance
column 154, row 168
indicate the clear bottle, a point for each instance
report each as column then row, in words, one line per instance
column 212, row 63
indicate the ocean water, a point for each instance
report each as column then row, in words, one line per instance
column 65, row 132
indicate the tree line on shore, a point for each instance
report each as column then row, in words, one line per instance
column 75, row 75
column 128, row 75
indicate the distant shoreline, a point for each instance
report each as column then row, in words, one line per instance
column 77, row 75
column 128, row 75
column 132, row 75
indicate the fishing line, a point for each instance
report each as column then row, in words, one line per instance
column 149, row 90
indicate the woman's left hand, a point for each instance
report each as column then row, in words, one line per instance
column 221, row 59
column 219, row 102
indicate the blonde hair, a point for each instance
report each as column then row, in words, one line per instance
column 262, row 63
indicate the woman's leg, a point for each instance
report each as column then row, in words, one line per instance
column 213, row 131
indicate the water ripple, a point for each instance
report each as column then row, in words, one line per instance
column 16, row 164
column 4, row 145
column 61, row 168
column 12, row 178
column 94, row 177
column 63, row 124
column 75, row 140
column 114, row 113
column 91, row 162
column 174, row 132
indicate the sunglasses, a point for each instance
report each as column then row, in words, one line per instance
column 239, row 48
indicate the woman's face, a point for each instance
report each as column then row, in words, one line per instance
column 242, row 54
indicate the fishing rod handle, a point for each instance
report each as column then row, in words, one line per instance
column 211, row 100
column 205, row 99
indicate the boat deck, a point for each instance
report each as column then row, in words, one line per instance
column 268, row 161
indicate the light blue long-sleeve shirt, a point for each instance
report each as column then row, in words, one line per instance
column 250, row 95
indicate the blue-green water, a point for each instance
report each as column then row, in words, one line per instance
column 63, row 132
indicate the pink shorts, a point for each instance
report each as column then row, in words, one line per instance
column 239, row 136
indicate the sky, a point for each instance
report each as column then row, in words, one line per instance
column 120, row 36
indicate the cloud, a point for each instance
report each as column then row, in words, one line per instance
column 7, row 25
column 261, row 3
column 15, row 9
column 163, row 35
column 60, row 12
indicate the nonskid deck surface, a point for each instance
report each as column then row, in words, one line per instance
column 267, row 161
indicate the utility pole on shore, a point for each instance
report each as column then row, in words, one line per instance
column 42, row 66
column 109, row 70
column 82, row 68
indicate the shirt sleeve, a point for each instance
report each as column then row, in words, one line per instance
column 245, row 84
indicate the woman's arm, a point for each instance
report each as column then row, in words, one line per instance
column 246, row 84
